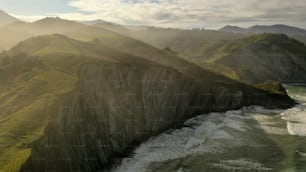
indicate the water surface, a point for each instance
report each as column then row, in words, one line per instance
column 250, row 139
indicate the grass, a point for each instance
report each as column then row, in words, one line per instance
column 14, row 159
column 237, row 58
column 273, row 87
column 58, row 47
column 25, row 105
column 18, row 130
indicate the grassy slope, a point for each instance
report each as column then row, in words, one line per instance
column 266, row 52
column 16, row 32
column 23, row 114
column 48, row 67
column 185, row 42
column 25, row 100
column 218, row 51
column 24, row 105
column 204, row 47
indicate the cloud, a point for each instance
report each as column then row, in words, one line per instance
column 189, row 13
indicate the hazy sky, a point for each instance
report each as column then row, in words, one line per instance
column 166, row 13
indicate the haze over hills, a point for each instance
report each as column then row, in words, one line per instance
column 279, row 57
column 16, row 32
column 294, row 32
column 6, row 19
column 175, row 39
column 199, row 46
column 95, row 22
column 279, row 28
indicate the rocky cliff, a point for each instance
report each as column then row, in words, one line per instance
column 74, row 106
column 115, row 105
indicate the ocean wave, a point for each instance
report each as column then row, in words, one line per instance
column 296, row 120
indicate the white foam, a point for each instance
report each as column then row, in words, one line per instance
column 207, row 133
column 297, row 129
column 181, row 170
column 273, row 130
column 201, row 137
column 235, row 124
column 241, row 164
column 219, row 135
column 296, row 116
column 296, row 120
column 302, row 153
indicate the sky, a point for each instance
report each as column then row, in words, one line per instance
column 165, row 13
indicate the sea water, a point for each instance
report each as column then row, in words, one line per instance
column 250, row 139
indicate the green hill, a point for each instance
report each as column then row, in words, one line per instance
column 14, row 33
column 279, row 57
column 86, row 103
column 187, row 43
column 241, row 57
column 259, row 58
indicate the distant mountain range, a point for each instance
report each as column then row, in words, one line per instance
column 94, row 22
column 243, row 57
column 279, row 28
column 204, row 47
column 6, row 19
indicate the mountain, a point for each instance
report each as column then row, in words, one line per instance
column 288, row 30
column 6, row 19
column 88, row 103
column 203, row 48
column 95, row 22
column 118, row 41
column 294, row 32
column 258, row 58
column 159, row 38
column 279, row 28
column 16, row 32
column 234, row 29
column 281, row 58
column 185, row 43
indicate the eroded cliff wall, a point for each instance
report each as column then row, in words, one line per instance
column 116, row 105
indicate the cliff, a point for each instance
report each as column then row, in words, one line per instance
column 116, row 105
column 88, row 110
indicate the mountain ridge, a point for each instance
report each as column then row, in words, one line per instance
column 198, row 47
column 279, row 57
column 6, row 19
column 276, row 28
column 95, row 22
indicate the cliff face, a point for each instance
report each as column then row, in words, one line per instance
column 68, row 105
column 115, row 105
